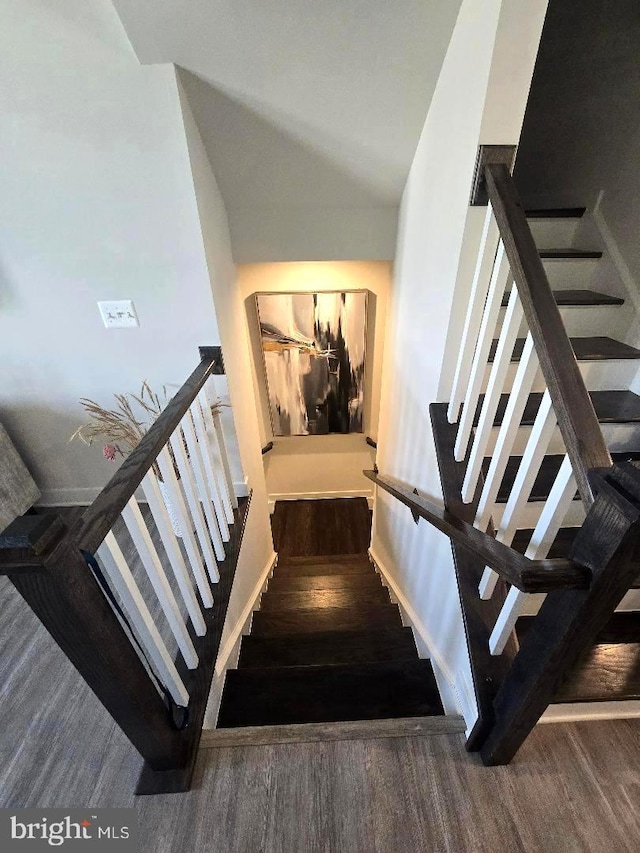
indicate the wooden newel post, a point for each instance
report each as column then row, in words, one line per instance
column 569, row 620
column 46, row 567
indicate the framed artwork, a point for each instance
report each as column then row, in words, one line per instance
column 313, row 346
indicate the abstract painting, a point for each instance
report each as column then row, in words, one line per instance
column 314, row 353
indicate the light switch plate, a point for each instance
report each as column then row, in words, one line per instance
column 118, row 314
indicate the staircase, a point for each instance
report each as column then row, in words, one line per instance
column 597, row 318
column 327, row 644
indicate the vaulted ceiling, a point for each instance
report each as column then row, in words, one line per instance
column 310, row 111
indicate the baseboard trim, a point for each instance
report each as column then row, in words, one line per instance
column 236, row 632
column 68, row 497
column 583, row 711
column 315, row 732
column 420, row 629
column 317, row 496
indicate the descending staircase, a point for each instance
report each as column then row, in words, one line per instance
column 327, row 645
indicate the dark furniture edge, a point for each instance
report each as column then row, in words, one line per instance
column 198, row 681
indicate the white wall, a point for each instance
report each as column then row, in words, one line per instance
column 431, row 238
column 97, row 202
column 257, row 544
column 320, row 465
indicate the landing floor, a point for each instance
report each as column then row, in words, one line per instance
column 572, row 788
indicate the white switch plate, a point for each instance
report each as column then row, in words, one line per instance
column 118, row 314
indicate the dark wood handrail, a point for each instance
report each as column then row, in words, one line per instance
column 572, row 404
column 525, row 574
column 371, row 442
column 268, row 446
column 100, row 517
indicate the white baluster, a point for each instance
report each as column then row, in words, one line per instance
column 174, row 553
column 165, row 463
column 499, row 368
column 156, row 574
column 188, row 485
column 213, row 472
column 477, row 299
column 541, row 433
column 204, row 486
column 210, row 396
column 123, row 583
column 512, row 418
column 555, row 509
column 499, row 279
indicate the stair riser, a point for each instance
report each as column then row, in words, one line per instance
column 572, row 272
column 631, row 601
column 548, row 233
column 597, row 375
column 587, row 322
column 618, row 437
column 328, row 568
column 340, row 619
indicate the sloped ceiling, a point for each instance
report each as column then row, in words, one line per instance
column 310, row 111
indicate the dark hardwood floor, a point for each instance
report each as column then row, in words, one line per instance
column 318, row 528
column 327, row 644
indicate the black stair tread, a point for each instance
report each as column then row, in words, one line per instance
column 324, row 568
column 569, row 254
column 546, row 476
column 323, row 598
column 622, row 628
column 585, row 349
column 612, row 407
column 556, row 213
column 327, row 647
column 372, row 617
column 362, row 691
column 291, row 583
column 579, row 298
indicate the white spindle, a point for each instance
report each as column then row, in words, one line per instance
column 156, row 574
column 543, row 428
column 174, row 553
column 560, row 497
column 477, row 299
column 499, row 369
column 165, row 463
column 210, row 395
column 193, row 501
column 508, row 431
column 137, row 612
column 499, row 278
column 213, row 476
column 204, row 487
column 218, row 457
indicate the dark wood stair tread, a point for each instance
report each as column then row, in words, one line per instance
column 275, row 601
column 324, row 566
column 362, row 691
column 546, row 475
column 585, row 349
column 612, row 407
column 556, row 213
column 312, row 560
column 327, row 647
column 381, row 616
column 291, row 583
column 569, row 254
column 622, row 628
column 579, row 298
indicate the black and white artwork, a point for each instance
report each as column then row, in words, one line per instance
column 314, row 353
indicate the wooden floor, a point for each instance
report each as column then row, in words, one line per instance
column 324, row 527
column 573, row 787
